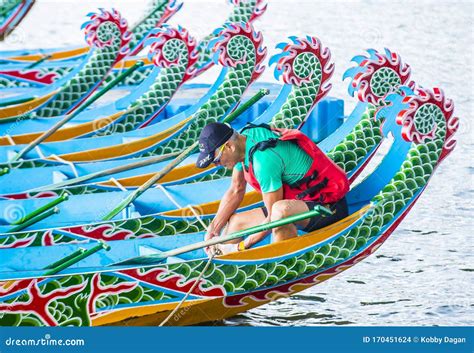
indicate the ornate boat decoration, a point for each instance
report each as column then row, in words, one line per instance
column 107, row 34
column 49, row 71
column 423, row 126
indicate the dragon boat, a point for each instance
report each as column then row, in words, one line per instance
column 26, row 69
column 12, row 13
column 288, row 100
column 119, row 138
column 353, row 145
column 176, row 133
column 147, row 281
column 49, row 67
column 107, row 35
column 173, row 51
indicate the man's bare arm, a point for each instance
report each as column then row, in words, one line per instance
column 229, row 203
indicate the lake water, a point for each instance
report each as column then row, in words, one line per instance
column 423, row 274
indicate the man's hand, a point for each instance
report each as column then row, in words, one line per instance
column 227, row 248
column 228, row 205
column 212, row 232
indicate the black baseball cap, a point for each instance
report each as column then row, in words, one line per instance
column 212, row 137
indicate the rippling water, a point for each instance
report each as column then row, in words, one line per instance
column 423, row 274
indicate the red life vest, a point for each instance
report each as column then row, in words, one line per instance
column 324, row 182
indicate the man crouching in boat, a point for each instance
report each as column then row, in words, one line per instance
column 286, row 166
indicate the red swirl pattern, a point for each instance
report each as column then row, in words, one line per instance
column 305, row 45
column 406, row 118
column 169, row 33
column 97, row 19
column 247, row 30
column 363, row 79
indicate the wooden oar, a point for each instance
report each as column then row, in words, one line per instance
column 63, row 197
column 182, row 156
column 155, row 258
column 74, row 258
column 34, row 220
column 39, row 61
column 66, row 261
column 106, row 172
column 71, row 116
column 159, row 8
column 17, row 101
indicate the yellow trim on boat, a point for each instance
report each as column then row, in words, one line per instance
column 130, row 62
column 212, row 308
column 65, row 133
column 174, row 175
column 250, row 198
column 296, row 244
column 201, row 310
column 124, row 149
column 59, row 55
column 123, row 314
column 22, row 108
column 66, row 54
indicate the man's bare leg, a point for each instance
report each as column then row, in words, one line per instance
column 244, row 220
column 286, row 208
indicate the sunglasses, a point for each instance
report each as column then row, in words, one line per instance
column 217, row 159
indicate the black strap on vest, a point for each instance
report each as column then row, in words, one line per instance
column 305, row 180
column 272, row 142
column 312, row 190
column 262, row 146
column 259, row 146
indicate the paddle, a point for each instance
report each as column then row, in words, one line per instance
column 74, row 258
column 67, row 261
column 71, row 116
column 182, row 156
column 63, row 197
column 106, row 172
column 159, row 8
column 34, row 220
column 39, row 61
column 151, row 259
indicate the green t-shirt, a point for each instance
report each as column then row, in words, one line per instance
column 285, row 163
